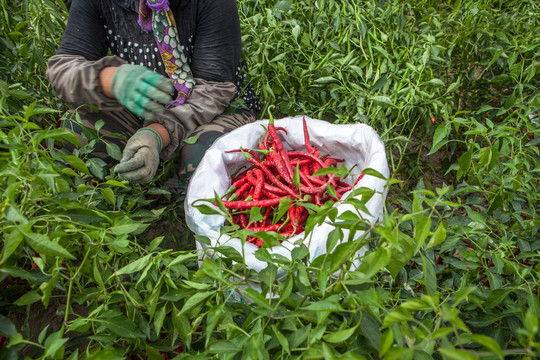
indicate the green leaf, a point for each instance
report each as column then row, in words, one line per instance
column 531, row 325
column 422, row 225
column 436, row 82
column 456, row 354
column 382, row 99
column 113, row 151
column 115, row 183
column 400, row 255
column 372, row 263
column 108, row 194
column 299, row 336
column 371, row 329
column 126, row 226
column 325, row 80
column 182, row 258
column 135, row 266
column 339, row 336
column 77, row 163
column 107, row 354
column 374, row 173
column 191, row 140
column 464, row 164
column 268, row 275
column 119, row 324
column 438, row 236
column 258, row 299
column 42, row 245
column 429, row 276
column 212, row 269
column 488, row 343
column 440, row 137
column 97, row 167
column 7, row 328
column 63, row 135
column 380, row 83
column 331, row 303
column 213, row 317
column 385, row 342
column 54, row 343
column 342, row 252
column 196, row 300
column 282, row 339
column 28, row 298
column 223, row 347
column 11, row 243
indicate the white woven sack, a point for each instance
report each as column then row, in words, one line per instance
column 357, row 144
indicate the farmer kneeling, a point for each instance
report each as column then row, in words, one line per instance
column 159, row 72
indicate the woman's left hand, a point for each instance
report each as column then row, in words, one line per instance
column 140, row 159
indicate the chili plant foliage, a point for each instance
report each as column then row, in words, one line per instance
column 450, row 272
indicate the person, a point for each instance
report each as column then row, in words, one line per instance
column 159, row 72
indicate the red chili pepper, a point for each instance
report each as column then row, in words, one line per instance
column 244, row 188
column 270, row 195
column 267, row 220
column 272, row 177
column 307, row 142
column 343, row 190
column 243, row 221
column 280, row 148
column 305, row 178
column 251, row 204
column 274, row 227
column 313, row 189
column 239, row 182
column 259, row 175
column 300, row 154
column 273, row 189
column 359, row 178
column 298, row 213
column 281, row 168
column 292, row 216
column 298, row 162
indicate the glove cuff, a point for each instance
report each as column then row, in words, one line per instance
column 115, row 78
column 160, row 142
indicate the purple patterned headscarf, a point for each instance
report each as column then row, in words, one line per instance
column 156, row 16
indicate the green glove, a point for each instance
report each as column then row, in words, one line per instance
column 140, row 158
column 142, row 91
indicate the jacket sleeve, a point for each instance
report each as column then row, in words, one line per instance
column 76, row 80
column 208, row 99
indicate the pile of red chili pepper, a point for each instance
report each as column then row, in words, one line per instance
column 276, row 174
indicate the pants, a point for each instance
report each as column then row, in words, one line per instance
column 118, row 127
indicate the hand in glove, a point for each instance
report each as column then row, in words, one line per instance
column 140, row 158
column 142, row 91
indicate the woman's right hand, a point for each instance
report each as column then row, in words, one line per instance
column 139, row 89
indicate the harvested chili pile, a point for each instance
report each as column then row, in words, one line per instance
column 281, row 183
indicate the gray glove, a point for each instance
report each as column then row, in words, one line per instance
column 140, row 158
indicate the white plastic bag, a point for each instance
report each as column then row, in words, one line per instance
column 357, row 144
